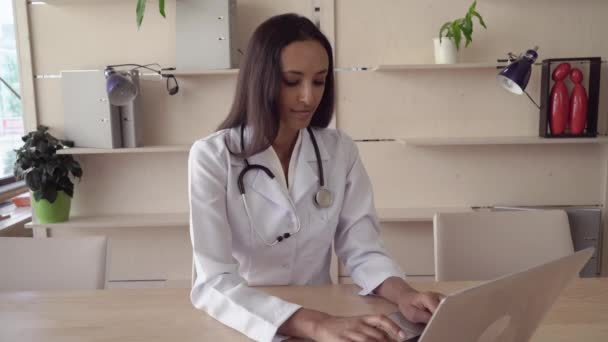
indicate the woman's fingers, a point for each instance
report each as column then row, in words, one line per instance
column 358, row 336
column 418, row 315
column 386, row 324
column 430, row 300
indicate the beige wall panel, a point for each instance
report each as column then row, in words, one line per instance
column 433, row 103
column 132, row 183
column 398, row 32
column 410, row 245
column 483, row 175
column 604, row 186
column 251, row 13
column 73, row 35
column 196, row 111
column 49, row 104
column 143, row 253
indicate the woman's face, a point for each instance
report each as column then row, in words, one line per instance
column 304, row 67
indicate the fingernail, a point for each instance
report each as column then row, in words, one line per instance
column 402, row 335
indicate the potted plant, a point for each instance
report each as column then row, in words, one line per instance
column 141, row 8
column 47, row 174
column 446, row 50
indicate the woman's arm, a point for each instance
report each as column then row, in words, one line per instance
column 218, row 289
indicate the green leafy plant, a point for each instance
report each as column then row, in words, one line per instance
column 461, row 27
column 141, row 8
column 45, row 171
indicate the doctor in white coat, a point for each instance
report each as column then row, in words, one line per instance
column 273, row 188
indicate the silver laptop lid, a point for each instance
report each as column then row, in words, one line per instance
column 508, row 309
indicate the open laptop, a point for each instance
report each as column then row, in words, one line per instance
column 507, row 309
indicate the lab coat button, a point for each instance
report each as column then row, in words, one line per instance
column 285, row 265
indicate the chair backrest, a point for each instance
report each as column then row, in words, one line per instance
column 486, row 245
column 52, row 263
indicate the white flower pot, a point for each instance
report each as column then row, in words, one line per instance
column 445, row 52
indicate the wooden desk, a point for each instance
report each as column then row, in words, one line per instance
column 581, row 314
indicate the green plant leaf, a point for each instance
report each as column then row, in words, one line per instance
column 140, row 10
column 33, row 179
column 480, row 19
column 467, row 29
column 444, row 27
column 161, row 8
column 457, row 33
column 49, row 192
column 472, row 7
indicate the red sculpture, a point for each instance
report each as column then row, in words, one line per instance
column 578, row 103
column 559, row 100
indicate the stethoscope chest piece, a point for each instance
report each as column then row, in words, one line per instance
column 324, row 198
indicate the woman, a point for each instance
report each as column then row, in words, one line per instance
column 271, row 190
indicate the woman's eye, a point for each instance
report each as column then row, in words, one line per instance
column 291, row 83
column 319, row 83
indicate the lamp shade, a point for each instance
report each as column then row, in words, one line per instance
column 515, row 76
column 121, row 90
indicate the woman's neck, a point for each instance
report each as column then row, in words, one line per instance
column 284, row 143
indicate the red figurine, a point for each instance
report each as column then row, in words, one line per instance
column 559, row 100
column 578, row 103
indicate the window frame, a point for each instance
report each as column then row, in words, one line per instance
column 10, row 185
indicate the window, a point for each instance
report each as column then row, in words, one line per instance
column 11, row 113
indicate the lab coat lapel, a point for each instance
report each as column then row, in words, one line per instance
column 267, row 187
column 307, row 172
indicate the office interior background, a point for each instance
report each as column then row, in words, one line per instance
column 432, row 138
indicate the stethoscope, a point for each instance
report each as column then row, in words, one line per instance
column 323, row 198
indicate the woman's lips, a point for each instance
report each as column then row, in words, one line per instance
column 303, row 113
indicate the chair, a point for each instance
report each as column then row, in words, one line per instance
column 486, row 245
column 52, row 263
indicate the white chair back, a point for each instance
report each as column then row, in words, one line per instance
column 486, row 245
column 52, row 263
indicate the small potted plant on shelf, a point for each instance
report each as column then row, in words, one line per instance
column 47, row 174
column 447, row 45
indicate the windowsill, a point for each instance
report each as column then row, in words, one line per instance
column 11, row 190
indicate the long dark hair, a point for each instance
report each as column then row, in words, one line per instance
column 258, row 88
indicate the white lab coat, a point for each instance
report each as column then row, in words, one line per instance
column 229, row 256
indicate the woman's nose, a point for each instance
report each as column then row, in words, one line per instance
column 306, row 95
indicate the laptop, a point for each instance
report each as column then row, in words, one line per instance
column 507, row 309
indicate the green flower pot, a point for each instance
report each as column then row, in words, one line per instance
column 58, row 211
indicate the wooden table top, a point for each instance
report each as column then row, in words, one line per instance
column 581, row 313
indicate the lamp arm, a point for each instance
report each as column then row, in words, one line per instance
column 10, row 88
column 530, row 97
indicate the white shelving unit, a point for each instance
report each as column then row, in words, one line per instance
column 182, row 219
column 405, row 67
column 521, row 140
column 201, row 72
column 416, row 214
column 145, row 149
column 119, row 221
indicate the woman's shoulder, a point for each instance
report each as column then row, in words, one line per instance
column 213, row 144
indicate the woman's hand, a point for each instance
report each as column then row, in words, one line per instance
column 418, row 307
column 357, row 329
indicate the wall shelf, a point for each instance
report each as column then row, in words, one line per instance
column 201, row 72
column 119, row 221
column 404, row 67
column 521, row 140
column 144, row 149
column 182, row 219
column 416, row 214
